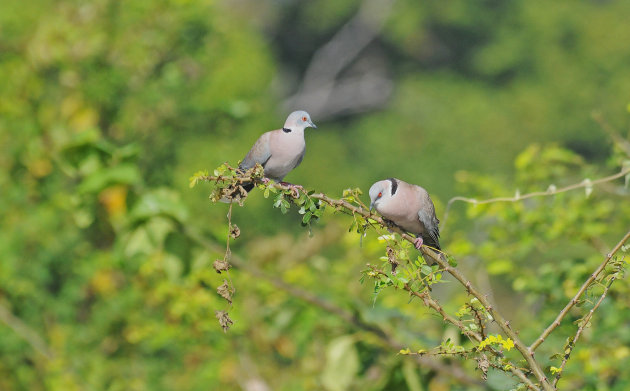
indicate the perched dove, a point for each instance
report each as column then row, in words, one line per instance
column 408, row 206
column 279, row 151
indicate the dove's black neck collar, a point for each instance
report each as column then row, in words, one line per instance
column 286, row 130
column 394, row 185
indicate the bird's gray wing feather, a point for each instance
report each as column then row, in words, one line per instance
column 431, row 224
column 260, row 153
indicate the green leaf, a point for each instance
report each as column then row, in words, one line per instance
column 278, row 200
column 196, row 177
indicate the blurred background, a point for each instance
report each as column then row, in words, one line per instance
column 108, row 107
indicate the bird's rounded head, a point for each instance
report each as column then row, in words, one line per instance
column 299, row 120
column 379, row 191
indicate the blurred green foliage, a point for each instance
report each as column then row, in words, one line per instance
column 107, row 107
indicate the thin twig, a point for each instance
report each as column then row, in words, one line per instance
column 585, row 321
column 430, row 302
column 25, row 332
column 550, row 191
column 577, row 296
column 479, row 320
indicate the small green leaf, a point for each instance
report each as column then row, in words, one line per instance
column 426, row 269
column 307, row 217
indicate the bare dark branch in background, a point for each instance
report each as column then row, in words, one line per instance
column 323, row 92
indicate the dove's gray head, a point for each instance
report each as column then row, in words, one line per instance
column 298, row 120
column 382, row 191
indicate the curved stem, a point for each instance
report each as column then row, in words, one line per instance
column 583, row 184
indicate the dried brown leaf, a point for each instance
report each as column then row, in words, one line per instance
column 483, row 364
column 221, row 265
column 235, row 193
column 235, row 231
column 224, row 320
column 391, row 257
column 225, row 291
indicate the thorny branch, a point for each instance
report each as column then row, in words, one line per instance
column 473, row 336
column 579, row 294
column 356, row 207
column 439, row 258
column 585, row 322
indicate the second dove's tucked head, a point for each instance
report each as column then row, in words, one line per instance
column 381, row 191
column 299, row 120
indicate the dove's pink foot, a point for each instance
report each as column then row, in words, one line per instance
column 418, row 242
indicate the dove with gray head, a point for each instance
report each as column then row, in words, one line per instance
column 408, row 206
column 279, row 151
